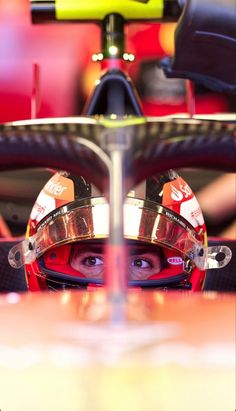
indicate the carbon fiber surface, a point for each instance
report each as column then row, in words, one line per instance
column 10, row 279
column 223, row 280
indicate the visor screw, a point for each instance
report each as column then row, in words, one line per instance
column 188, row 266
column 220, row 256
column 31, row 247
column 201, row 252
column 191, row 255
column 53, row 256
column 187, row 285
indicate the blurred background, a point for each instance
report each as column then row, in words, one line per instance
column 66, row 77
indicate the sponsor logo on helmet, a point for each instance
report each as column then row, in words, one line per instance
column 60, row 188
column 55, row 188
column 44, row 205
column 176, row 195
column 184, row 191
column 175, row 260
column 196, row 213
column 192, row 212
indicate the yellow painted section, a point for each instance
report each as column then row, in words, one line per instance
column 166, row 38
column 115, row 388
column 114, row 123
column 98, row 9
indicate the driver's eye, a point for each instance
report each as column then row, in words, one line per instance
column 141, row 263
column 92, row 261
column 142, row 266
column 89, row 263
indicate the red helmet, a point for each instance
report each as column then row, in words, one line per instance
column 163, row 226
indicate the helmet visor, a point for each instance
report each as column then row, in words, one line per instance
column 89, row 220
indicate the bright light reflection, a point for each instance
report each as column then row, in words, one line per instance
column 113, row 116
column 65, row 298
column 113, row 50
column 13, row 298
column 210, row 295
column 159, row 298
column 53, row 120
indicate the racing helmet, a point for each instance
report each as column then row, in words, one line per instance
column 163, row 227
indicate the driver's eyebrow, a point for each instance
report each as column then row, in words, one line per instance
column 144, row 250
column 91, row 248
column 99, row 249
